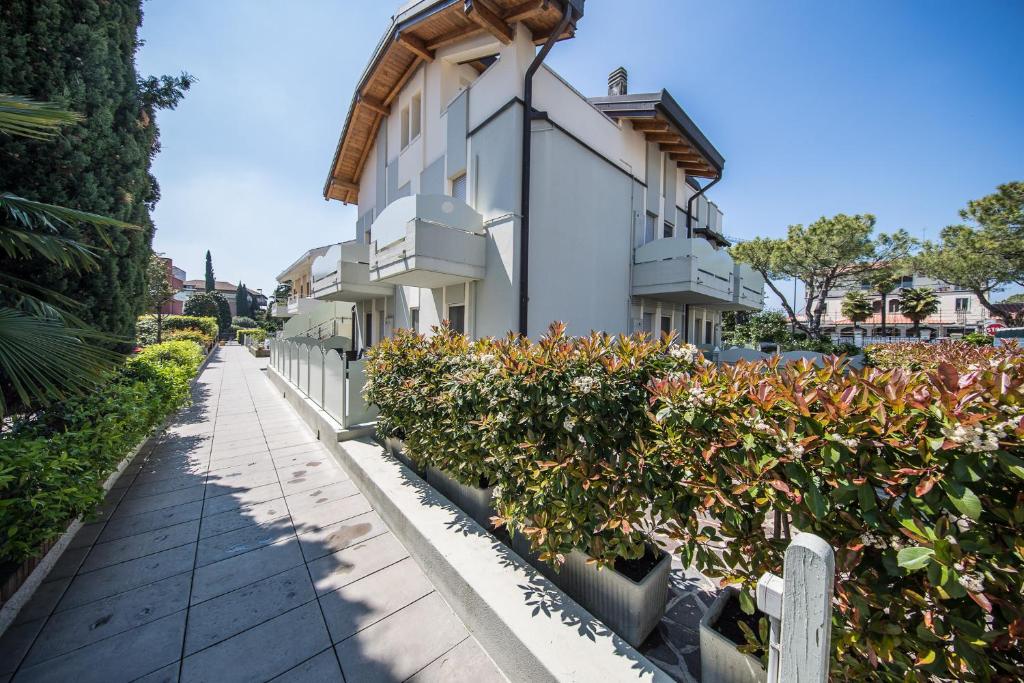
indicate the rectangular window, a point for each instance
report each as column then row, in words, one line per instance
column 670, row 230
column 647, row 325
column 459, row 187
column 650, row 227
column 963, row 304
column 894, row 305
column 907, row 281
column 414, row 319
column 666, row 324
column 457, row 318
column 698, row 323
column 709, row 332
column 368, row 331
column 405, row 127
column 876, row 306
column 415, row 116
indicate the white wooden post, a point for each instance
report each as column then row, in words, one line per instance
column 800, row 607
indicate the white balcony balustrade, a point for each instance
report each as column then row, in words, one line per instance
column 427, row 241
column 686, row 270
column 748, row 292
column 343, row 274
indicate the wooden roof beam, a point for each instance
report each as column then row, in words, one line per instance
column 374, row 105
column 468, row 32
column 541, row 38
column 691, row 158
column 488, row 19
column 525, row 10
column 366, row 151
column 402, row 81
column 663, row 137
column 649, row 125
column 415, row 46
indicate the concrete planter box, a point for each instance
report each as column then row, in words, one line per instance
column 476, row 502
column 629, row 608
column 720, row 661
column 396, row 448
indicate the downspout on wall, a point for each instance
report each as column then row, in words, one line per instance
column 569, row 15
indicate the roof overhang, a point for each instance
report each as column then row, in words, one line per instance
column 415, row 34
column 308, row 256
column 661, row 120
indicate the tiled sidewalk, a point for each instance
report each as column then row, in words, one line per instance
column 238, row 550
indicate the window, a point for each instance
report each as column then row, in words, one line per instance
column 894, row 305
column 650, row 227
column 415, row 116
column 414, row 319
column 876, row 306
column 666, row 324
column 457, row 318
column 368, row 330
column 963, row 304
column 405, row 127
column 709, row 332
column 670, row 230
column 907, row 281
column 647, row 325
column 698, row 323
column 459, row 187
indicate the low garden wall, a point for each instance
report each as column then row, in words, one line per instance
column 912, row 474
column 54, row 466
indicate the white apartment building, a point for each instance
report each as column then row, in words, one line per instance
column 606, row 226
column 960, row 312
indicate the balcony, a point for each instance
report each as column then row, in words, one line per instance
column 427, row 241
column 296, row 305
column 685, row 270
column 748, row 292
column 343, row 274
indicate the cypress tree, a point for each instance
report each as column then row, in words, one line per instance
column 241, row 300
column 211, row 281
column 82, row 54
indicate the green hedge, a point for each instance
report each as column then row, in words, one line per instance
column 145, row 328
column 52, row 468
column 914, row 476
column 258, row 334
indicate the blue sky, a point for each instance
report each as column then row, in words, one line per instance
column 901, row 109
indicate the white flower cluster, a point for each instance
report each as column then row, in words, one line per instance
column 871, row 540
column 850, row 442
column 501, row 418
column 686, row 352
column 696, row 397
column 569, row 424
column 793, row 448
column 972, row 581
column 978, row 439
column 585, row 384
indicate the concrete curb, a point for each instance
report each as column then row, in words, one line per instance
column 9, row 610
column 325, row 426
column 530, row 628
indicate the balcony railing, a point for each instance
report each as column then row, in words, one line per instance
column 748, row 289
column 343, row 274
column 688, row 270
column 427, row 241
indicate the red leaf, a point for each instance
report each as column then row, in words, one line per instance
column 981, row 599
column 949, row 376
column 924, row 486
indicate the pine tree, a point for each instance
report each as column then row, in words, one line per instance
column 211, row 281
column 241, row 300
column 82, row 54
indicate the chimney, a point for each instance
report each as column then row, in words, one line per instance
column 617, row 82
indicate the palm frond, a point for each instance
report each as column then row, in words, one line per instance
column 42, row 359
column 29, row 118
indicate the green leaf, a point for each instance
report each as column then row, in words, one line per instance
column 1011, row 462
column 746, row 602
column 914, row 558
column 963, row 499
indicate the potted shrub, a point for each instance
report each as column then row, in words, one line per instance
column 725, row 644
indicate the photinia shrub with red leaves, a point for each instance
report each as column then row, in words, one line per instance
column 915, row 477
column 916, row 355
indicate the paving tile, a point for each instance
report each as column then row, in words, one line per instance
column 334, row 537
column 257, row 513
column 221, row 484
column 464, row 663
column 75, row 628
column 43, row 600
column 247, row 657
column 239, row 541
column 241, row 570
column 400, row 645
column 309, row 459
column 228, row 615
column 323, row 668
column 160, row 501
column 312, row 480
column 68, row 563
column 87, row 535
column 149, row 521
column 321, row 495
column 233, row 500
column 131, row 547
column 345, row 566
column 247, row 463
column 184, row 481
column 122, row 577
column 313, row 517
column 123, row 657
column 364, row 602
column 167, row 674
column 15, row 643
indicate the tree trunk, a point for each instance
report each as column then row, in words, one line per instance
column 917, row 329
column 159, row 326
column 785, row 303
column 884, row 295
column 1005, row 317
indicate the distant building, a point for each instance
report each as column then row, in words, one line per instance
column 177, row 278
column 226, row 290
column 960, row 312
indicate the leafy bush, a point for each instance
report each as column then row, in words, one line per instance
column 202, row 305
column 243, row 322
column 145, row 330
column 763, row 326
column 258, row 334
column 52, row 468
column 203, row 330
column 206, row 325
column 978, row 339
column 191, row 335
column 923, row 356
column 914, row 477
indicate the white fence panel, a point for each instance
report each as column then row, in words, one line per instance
column 334, row 385
column 303, row 377
column 357, row 410
column 316, row 375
